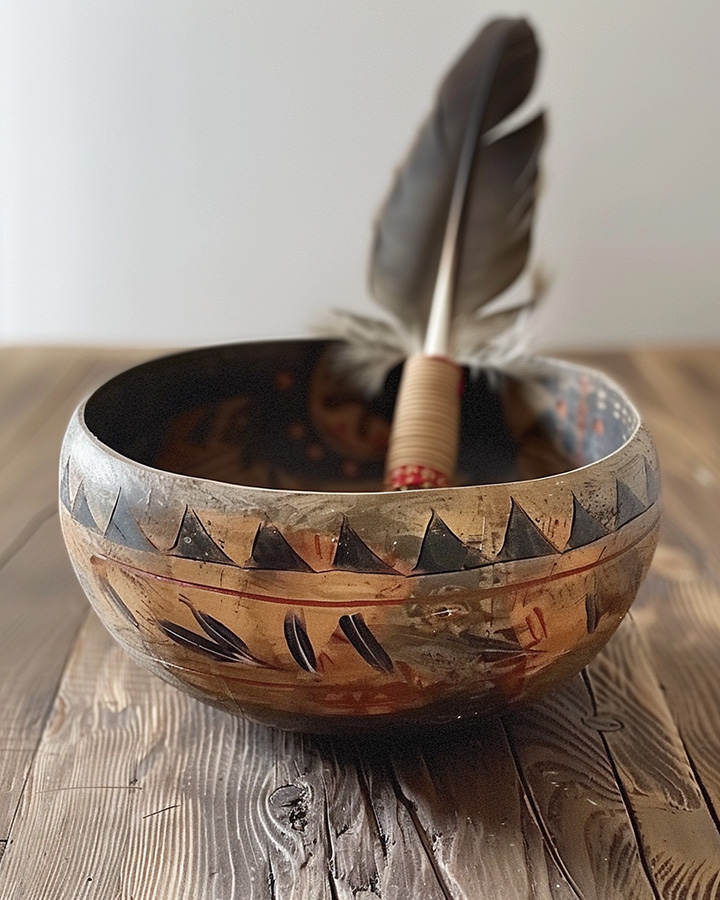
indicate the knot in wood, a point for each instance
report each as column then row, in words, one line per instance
column 289, row 805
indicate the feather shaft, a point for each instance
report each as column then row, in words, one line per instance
column 437, row 335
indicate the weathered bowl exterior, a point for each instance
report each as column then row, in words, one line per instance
column 330, row 610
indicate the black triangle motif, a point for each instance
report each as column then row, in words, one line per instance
column 523, row 539
column 81, row 511
column 193, row 542
column 441, row 549
column 585, row 529
column 628, row 505
column 652, row 480
column 353, row 554
column 65, row 486
column 271, row 551
column 123, row 529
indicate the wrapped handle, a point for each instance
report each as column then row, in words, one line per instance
column 426, row 425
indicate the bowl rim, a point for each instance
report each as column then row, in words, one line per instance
column 516, row 367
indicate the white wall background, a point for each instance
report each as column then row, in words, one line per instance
column 186, row 171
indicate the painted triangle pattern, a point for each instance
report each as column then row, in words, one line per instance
column 652, row 481
column 193, row 542
column 629, row 506
column 443, row 551
column 585, row 529
column 81, row 511
column 523, row 539
column 353, row 554
column 123, row 529
column 65, row 486
column 271, row 551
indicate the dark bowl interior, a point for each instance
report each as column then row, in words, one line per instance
column 278, row 415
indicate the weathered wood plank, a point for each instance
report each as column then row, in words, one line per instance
column 473, row 809
column 683, row 635
column 30, row 379
column 375, row 849
column 678, row 838
column 564, row 766
column 238, row 809
column 37, row 382
column 670, row 688
column 41, row 608
column 679, row 612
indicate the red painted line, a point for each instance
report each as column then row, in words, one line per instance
column 295, row 601
column 263, row 598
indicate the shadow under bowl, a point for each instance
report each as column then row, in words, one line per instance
column 224, row 514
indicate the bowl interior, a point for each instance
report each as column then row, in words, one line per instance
column 279, row 415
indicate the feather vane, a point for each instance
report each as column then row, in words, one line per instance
column 490, row 81
column 497, row 72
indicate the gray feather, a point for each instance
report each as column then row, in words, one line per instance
column 494, row 335
column 494, row 237
column 367, row 350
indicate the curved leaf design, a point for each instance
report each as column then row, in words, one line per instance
column 299, row 643
column 365, row 642
column 221, row 643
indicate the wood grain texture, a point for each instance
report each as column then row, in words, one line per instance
column 40, row 612
column 677, row 835
column 690, row 676
column 480, row 824
column 571, row 786
column 660, row 674
column 610, row 788
column 31, row 380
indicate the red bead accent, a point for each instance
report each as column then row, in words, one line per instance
column 409, row 477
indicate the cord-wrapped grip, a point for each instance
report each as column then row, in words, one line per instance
column 426, row 425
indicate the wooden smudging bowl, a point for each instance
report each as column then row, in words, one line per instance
column 224, row 514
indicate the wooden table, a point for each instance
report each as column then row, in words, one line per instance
column 114, row 785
